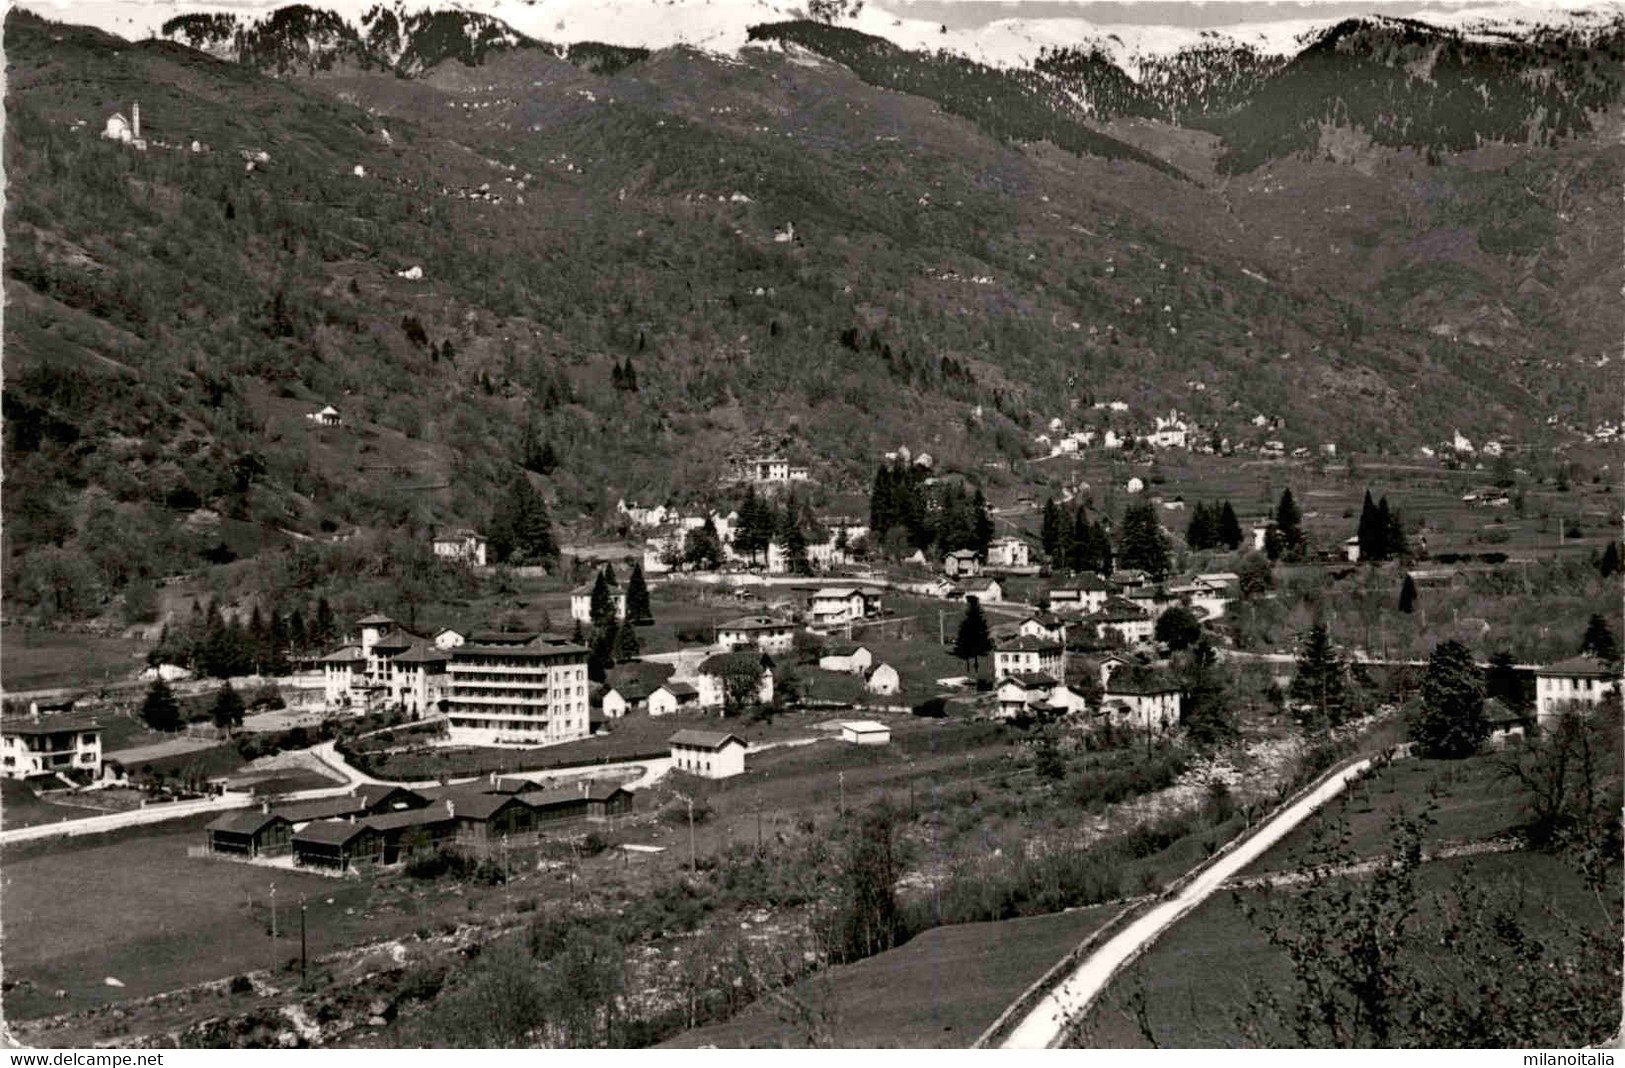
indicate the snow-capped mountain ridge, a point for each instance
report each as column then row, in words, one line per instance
column 721, row 25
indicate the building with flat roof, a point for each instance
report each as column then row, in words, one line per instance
column 530, row 693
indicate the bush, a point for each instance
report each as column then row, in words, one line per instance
column 240, row 985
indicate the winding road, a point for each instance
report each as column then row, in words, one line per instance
column 1045, row 1024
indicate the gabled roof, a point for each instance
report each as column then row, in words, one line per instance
column 1029, row 643
column 713, row 740
column 373, row 620
column 249, row 822
column 756, row 623
column 333, row 832
column 423, row 654
column 49, row 724
column 412, row 817
column 963, row 554
column 747, row 660
column 678, row 689
column 1118, row 610
column 1588, row 666
column 345, row 654
column 841, row 592
column 1497, row 713
column 845, row 649
column 1140, row 681
column 325, row 808
column 1045, row 619
column 1029, row 680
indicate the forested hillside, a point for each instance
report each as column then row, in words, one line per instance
column 602, row 305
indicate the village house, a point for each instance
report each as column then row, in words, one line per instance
column 527, row 692
column 327, row 416
column 841, row 604
column 42, row 744
column 581, row 602
column 962, row 563
column 628, row 687
column 1152, row 600
column 708, row 754
column 1142, row 698
column 1171, row 433
column 1026, row 655
column 987, row 591
column 672, row 697
column 847, row 658
column 1505, row 724
column 1123, row 618
column 1063, row 700
column 882, row 679
column 768, row 633
column 1110, row 664
column 1351, row 549
column 462, row 545
column 1008, row 552
column 712, row 674
column 762, row 469
column 1087, row 593
column 1578, row 682
column 638, row 515
column 1043, row 625
column 1020, row 692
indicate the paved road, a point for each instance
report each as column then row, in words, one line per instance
column 1044, row 1026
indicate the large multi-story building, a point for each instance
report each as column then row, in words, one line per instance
column 39, row 745
column 518, row 689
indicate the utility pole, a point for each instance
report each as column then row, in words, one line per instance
column 273, row 912
column 841, row 779
column 302, row 940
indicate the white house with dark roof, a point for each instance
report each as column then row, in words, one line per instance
column 41, row 744
column 581, row 602
column 671, row 697
column 839, row 604
column 770, row 634
column 1142, row 698
column 712, row 673
column 1124, row 618
column 1026, row 654
column 847, row 658
column 961, row 563
column 708, row 754
column 1045, row 625
column 461, row 544
column 1019, row 692
column 1008, row 552
column 1580, row 681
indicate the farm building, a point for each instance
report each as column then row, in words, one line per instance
column 259, row 833
column 671, row 697
column 402, row 835
column 710, row 754
column 848, row 659
column 865, row 732
column 328, row 416
column 1505, row 724
column 882, row 679
column 962, row 563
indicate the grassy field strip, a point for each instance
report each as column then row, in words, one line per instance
column 1303, row 875
column 1045, row 1024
